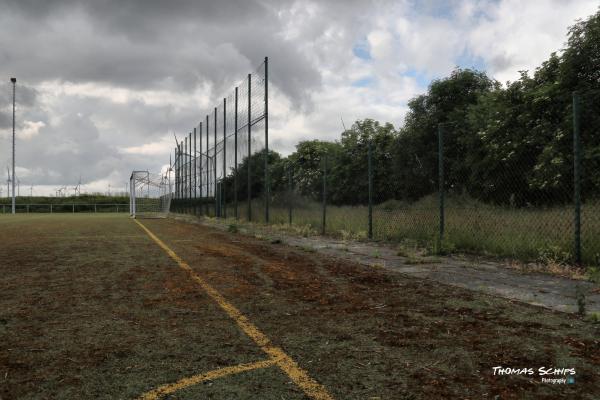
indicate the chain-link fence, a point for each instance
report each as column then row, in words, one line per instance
column 530, row 200
column 523, row 190
column 221, row 166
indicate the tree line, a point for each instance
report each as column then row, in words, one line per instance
column 503, row 144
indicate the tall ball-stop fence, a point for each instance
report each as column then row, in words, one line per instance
column 221, row 166
column 513, row 198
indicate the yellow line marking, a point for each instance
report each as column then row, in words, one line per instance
column 300, row 377
column 207, row 376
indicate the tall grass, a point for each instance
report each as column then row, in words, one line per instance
column 522, row 233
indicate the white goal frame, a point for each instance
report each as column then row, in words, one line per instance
column 149, row 195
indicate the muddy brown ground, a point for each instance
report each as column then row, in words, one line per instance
column 90, row 307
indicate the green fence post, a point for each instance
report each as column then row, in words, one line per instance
column 324, row 220
column 249, row 215
column 291, row 194
column 266, row 111
column 577, row 176
column 235, row 160
column 223, row 194
column 441, row 184
column 370, row 163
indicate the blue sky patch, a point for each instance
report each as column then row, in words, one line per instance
column 364, row 82
column 361, row 50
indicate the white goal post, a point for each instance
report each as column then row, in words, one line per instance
column 149, row 195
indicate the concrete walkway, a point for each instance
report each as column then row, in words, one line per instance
column 545, row 290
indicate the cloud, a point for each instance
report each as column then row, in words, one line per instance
column 103, row 85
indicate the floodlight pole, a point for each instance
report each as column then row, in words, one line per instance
column 14, row 82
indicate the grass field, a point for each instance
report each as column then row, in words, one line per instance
column 527, row 234
column 100, row 307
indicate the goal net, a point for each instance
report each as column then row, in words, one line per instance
column 150, row 195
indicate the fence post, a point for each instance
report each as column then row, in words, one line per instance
column 117, row 208
column 235, row 160
column 95, row 210
column 190, row 167
column 178, row 170
column 267, row 183
column 441, row 184
column 73, row 208
column 577, row 176
column 185, row 169
column 291, row 193
column 215, row 158
column 223, row 199
column 200, row 154
column 195, row 170
column 323, row 222
column 50, row 208
column 249, row 147
column 207, row 169
column 370, row 177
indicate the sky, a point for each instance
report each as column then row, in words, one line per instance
column 103, row 85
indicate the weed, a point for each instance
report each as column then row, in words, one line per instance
column 441, row 248
column 232, row 228
column 593, row 274
column 554, row 255
column 594, row 317
column 580, row 296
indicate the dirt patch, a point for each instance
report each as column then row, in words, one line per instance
column 367, row 331
column 90, row 307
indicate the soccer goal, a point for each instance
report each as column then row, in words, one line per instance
column 149, row 195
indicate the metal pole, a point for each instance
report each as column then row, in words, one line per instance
column 323, row 222
column 215, row 174
column 195, row 166
column 188, row 142
column 267, row 184
column 441, row 183
column 223, row 200
column 200, row 154
column 190, row 167
column 177, row 171
column 235, row 160
column 207, row 169
column 183, row 168
column 132, row 185
column 291, row 193
column 249, row 147
column 14, row 82
column 174, row 169
column 577, row 175
column 130, row 197
column 370, row 177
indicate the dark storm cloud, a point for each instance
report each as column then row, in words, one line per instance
column 174, row 47
column 25, row 98
column 149, row 44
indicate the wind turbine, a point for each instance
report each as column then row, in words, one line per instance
column 77, row 188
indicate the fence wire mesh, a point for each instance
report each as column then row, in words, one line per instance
column 510, row 188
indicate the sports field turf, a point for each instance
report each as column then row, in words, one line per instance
column 101, row 307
